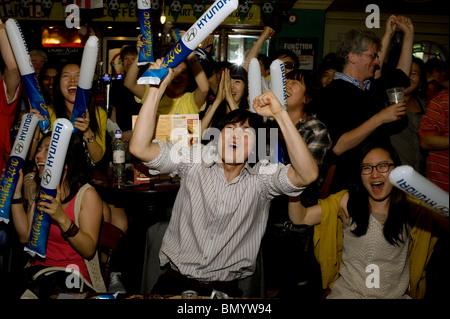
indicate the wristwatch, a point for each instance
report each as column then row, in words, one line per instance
column 89, row 139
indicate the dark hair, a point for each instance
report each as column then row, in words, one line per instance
column 265, row 60
column 238, row 72
column 60, row 104
column 435, row 64
column 255, row 121
column 47, row 65
column 421, row 90
column 128, row 49
column 355, row 41
column 286, row 52
column 358, row 202
column 240, row 116
column 78, row 169
column 329, row 61
column 311, row 82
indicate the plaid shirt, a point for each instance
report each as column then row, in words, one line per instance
column 315, row 135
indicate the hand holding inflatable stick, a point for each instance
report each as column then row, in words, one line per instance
column 204, row 26
column 87, row 71
column 408, row 180
column 54, row 164
column 29, row 76
column 15, row 163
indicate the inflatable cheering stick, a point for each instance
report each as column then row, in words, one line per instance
column 278, row 81
column 87, row 71
column 29, row 76
column 54, row 164
column 15, row 162
column 408, row 180
column 145, row 22
column 198, row 32
column 254, row 81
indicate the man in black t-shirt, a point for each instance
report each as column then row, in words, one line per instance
column 353, row 105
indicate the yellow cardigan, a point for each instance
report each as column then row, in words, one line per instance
column 102, row 119
column 328, row 240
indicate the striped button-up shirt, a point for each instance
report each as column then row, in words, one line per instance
column 216, row 227
column 355, row 82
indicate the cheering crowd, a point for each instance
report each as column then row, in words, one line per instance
column 327, row 198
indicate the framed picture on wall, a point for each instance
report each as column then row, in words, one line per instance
column 305, row 48
column 111, row 53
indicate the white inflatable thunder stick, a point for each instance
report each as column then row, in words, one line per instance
column 27, row 72
column 278, row 81
column 87, row 71
column 54, row 164
column 15, row 162
column 408, row 180
column 198, row 32
column 254, row 81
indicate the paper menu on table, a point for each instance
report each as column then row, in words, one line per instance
column 180, row 129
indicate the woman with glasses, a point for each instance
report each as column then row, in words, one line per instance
column 372, row 240
column 46, row 80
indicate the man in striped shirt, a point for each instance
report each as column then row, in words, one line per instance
column 221, row 209
column 434, row 137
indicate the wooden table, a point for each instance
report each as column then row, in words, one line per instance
column 151, row 198
column 144, row 204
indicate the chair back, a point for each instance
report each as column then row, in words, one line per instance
column 110, row 237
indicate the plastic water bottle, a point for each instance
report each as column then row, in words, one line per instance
column 118, row 159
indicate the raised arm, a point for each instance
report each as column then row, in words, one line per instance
column 202, row 90
column 11, row 76
column 141, row 144
column 207, row 118
column 232, row 105
column 300, row 215
column 354, row 137
column 253, row 52
column 303, row 170
column 391, row 26
column 405, row 60
column 130, row 80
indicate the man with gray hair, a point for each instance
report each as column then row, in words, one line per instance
column 352, row 106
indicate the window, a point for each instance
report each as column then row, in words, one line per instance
column 426, row 50
column 239, row 45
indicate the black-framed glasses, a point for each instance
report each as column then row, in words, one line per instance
column 373, row 56
column 289, row 65
column 381, row 168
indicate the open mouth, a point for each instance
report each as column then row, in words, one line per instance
column 72, row 90
column 377, row 187
column 233, row 145
column 40, row 166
